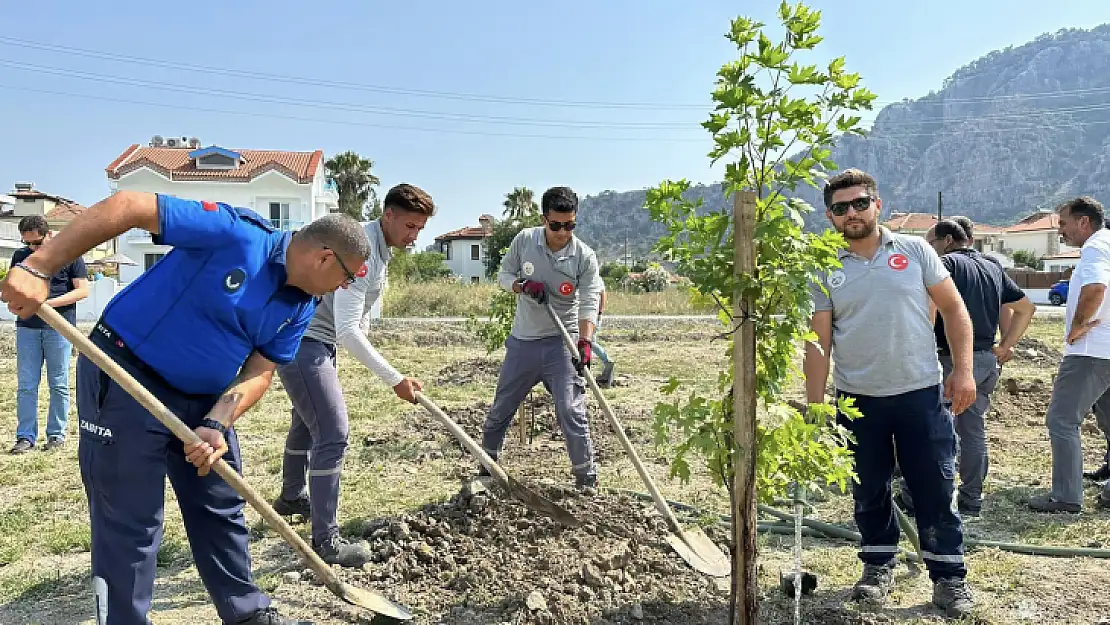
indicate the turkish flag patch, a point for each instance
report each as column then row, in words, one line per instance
column 362, row 271
column 566, row 288
column 209, row 206
column 898, row 262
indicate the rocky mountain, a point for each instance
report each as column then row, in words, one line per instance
column 1016, row 130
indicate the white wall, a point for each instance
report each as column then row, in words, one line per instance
column 1037, row 242
column 255, row 195
column 89, row 309
column 460, row 262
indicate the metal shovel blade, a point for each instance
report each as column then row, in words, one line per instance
column 539, row 503
column 693, row 546
column 371, row 600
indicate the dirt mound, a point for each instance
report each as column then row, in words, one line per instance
column 1035, row 352
column 479, row 558
column 469, row 371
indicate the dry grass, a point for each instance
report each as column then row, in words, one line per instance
column 391, row 467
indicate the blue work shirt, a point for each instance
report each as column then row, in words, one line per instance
column 199, row 312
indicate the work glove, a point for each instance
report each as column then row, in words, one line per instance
column 586, row 350
column 534, row 289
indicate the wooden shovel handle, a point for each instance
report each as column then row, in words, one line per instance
column 464, row 438
column 182, row 431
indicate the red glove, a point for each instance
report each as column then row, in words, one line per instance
column 584, row 348
column 533, row 289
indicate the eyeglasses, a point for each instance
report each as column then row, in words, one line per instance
column 35, row 243
column 559, row 225
column 350, row 276
column 860, row 204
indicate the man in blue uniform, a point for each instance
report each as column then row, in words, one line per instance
column 203, row 330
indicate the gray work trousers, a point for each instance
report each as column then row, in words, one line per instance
column 542, row 360
column 1082, row 384
column 317, row 439
column 971, row 430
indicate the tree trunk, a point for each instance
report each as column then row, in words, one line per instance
column 745, row 583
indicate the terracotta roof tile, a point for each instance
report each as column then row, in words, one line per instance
column 1036, row 221
column 910, row 221
column 65, row 211
column 469, row 232
column 175, row 163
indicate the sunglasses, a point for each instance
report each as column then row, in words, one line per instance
column 559, row 225
column 350, row 276
column 860, row 204
column 35, row 243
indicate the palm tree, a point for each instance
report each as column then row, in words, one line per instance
column 520, row 204
column 352, row 177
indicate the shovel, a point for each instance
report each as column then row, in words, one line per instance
column 692, row 545
column 519, row 491
column 361, row 597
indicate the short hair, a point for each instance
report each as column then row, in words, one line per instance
column 967, row 225
column 339, row 232
column 951, row 228
column 34, row 223
column 1085, row 206
column 409, row 198
column 560, row 200
column 850, row 178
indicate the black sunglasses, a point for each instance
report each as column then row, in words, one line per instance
column 559, row 225
column 350, row 276
column 860, row 204
column 35, row 243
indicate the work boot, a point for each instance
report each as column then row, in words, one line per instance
column 55, row 442
column 286, row 507
column 270, row 616
column 338, row 550
column 606, row 377
column 875, row 584
column 22, row 446
column 1048, row 503
column 953, row 595
column 1100, row 474
column 586, row 484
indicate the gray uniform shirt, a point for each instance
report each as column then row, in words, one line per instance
column 570, row 275
column 882, row 339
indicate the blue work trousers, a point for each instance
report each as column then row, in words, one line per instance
column 125, row 455
column 917, row 426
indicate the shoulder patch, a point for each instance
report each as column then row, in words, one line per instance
column 209, row 206
column 248, row 215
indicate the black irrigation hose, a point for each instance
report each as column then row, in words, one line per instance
column 837, row 531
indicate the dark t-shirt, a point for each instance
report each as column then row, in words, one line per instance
column 60, row 284
column 985, row 287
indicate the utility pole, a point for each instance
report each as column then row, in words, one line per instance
column 940, row 205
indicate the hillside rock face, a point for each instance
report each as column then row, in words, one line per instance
column 1016, row 130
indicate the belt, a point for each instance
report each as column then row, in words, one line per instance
column 108, row 340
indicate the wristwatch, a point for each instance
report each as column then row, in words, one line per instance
column 213, row 424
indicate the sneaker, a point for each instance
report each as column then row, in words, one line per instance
column 338, row 550
column 285, row 507
column 270, row 616
column 953, row 595
column 1099, row 475
column 22, row 445
column 1048, row 503
column 586, row 484
column 55, row 442
column 875, row 584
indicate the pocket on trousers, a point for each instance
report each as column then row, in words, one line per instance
column 97, row 449
column 942, row 440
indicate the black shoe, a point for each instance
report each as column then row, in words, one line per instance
column 55, row 442
column 586, row 484
column 875, row 583
column 270, row 616
column 22, row 446
column 968, row 510
column 606, row 377
column 1098, row 475
column 337, row 550
column 285, row 507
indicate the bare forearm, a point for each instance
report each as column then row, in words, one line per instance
column 586, row 329
column 72, row 297
column 1005, row 322
column 245, row 391
column 1018, row 320
column 816, row 369
column 959, row 332
column 1090, row 300
column 103, row 221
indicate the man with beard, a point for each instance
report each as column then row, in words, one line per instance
column 872, row 316
column 1083, row 380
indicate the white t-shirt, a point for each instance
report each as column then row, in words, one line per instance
column 1093, row 268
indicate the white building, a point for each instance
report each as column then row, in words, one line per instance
column 1062, row 261
column 288, row 188
column 1037, row 233
column 466, row 250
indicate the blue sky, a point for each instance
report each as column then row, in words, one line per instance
column 466, row 100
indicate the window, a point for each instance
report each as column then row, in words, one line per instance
column 475, row 252
column 447, row 249
column 150, row 259
column 216, row 161
column 474, row 279
column 279, row 215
